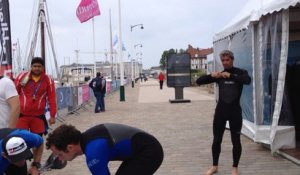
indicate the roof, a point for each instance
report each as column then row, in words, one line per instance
column 200, row 52
column 252, row 12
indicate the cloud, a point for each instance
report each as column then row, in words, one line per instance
column 167, row 24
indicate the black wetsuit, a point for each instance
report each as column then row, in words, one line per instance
column 140, row 152
column 228, row 108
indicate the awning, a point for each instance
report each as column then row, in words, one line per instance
column 252, row 12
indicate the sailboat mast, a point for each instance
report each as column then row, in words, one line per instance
column 42, row 29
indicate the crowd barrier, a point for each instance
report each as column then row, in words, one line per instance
column 72, row 99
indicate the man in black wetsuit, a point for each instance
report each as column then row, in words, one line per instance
column 140, row 152
column 230, row 82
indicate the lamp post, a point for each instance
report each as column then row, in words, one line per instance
column 66, row 70
column 132, row 60
column 122, row 90
column 136, row 61
column 140, row 65
column 77, row 71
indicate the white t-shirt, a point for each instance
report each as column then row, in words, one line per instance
column 7, row 90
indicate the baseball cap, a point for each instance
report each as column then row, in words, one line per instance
column 16, row 148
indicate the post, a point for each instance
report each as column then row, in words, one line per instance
column 42, row 22
column 132, row 60
column 132, row 77
column 94, row 48
column 111, row 47
column 77, row 58
column 122, row 89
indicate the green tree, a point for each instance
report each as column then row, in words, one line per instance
column 163, row 59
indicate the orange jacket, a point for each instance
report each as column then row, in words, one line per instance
column 34, row 95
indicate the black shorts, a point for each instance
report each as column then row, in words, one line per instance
column 147, row 156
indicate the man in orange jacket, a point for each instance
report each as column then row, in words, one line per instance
column 35, row 89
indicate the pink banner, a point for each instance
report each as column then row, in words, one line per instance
column 87, row 9
column 108, row 87
column 85, row 93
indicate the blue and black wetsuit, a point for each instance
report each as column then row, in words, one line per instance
column 140, row 152
column 32, row 140
column 228, row 108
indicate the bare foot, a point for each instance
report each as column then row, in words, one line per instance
column 234, row 171
column 212, row 170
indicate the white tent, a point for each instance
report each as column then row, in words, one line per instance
column 252, row 12
column 265, row 38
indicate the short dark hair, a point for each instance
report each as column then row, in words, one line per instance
column 227, row 53
column 98, row 74
column 62, row 136
column 38, row 60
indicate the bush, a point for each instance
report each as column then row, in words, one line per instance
column 195, row 74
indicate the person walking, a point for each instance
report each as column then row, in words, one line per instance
column 36, row 89
column 140, row 152
column 9, row 103
column 161, row 79
column 96, row 86
column 230, row 82
column 15, row 149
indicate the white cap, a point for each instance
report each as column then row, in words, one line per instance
column 16, row 149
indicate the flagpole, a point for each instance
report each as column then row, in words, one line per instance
column 111, row 47
column 94, row 48
column 122, row 89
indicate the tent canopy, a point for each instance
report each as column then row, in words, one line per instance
column 252, row 12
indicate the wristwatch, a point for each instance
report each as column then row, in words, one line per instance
column 36, row 164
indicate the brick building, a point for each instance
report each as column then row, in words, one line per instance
column 199, row 57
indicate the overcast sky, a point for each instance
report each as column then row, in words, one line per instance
column 167, row 24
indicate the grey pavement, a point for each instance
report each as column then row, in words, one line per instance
column 184, row 130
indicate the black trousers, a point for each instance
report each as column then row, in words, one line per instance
column 234, row 116
column 161, row 83
column 148, row 156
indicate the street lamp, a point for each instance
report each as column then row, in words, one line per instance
column 133, row 68
column 136, row 63
column 138, row 45
column 132, row 72
column 139, row 65
column 131, row 27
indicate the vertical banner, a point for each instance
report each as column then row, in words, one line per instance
column 64, row 97
column 79, row 96
column 74, row 92
column 108, row 86
column 85, row 93
column 5, row 40
column 87, row 9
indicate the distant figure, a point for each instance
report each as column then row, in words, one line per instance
column 96, row 85
column 161, row 79
column 15, row 149
column 230, row 81
column 141, row 77
column 9, row 103
column 140, row 152
column 36, row 89
column 103, row 92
